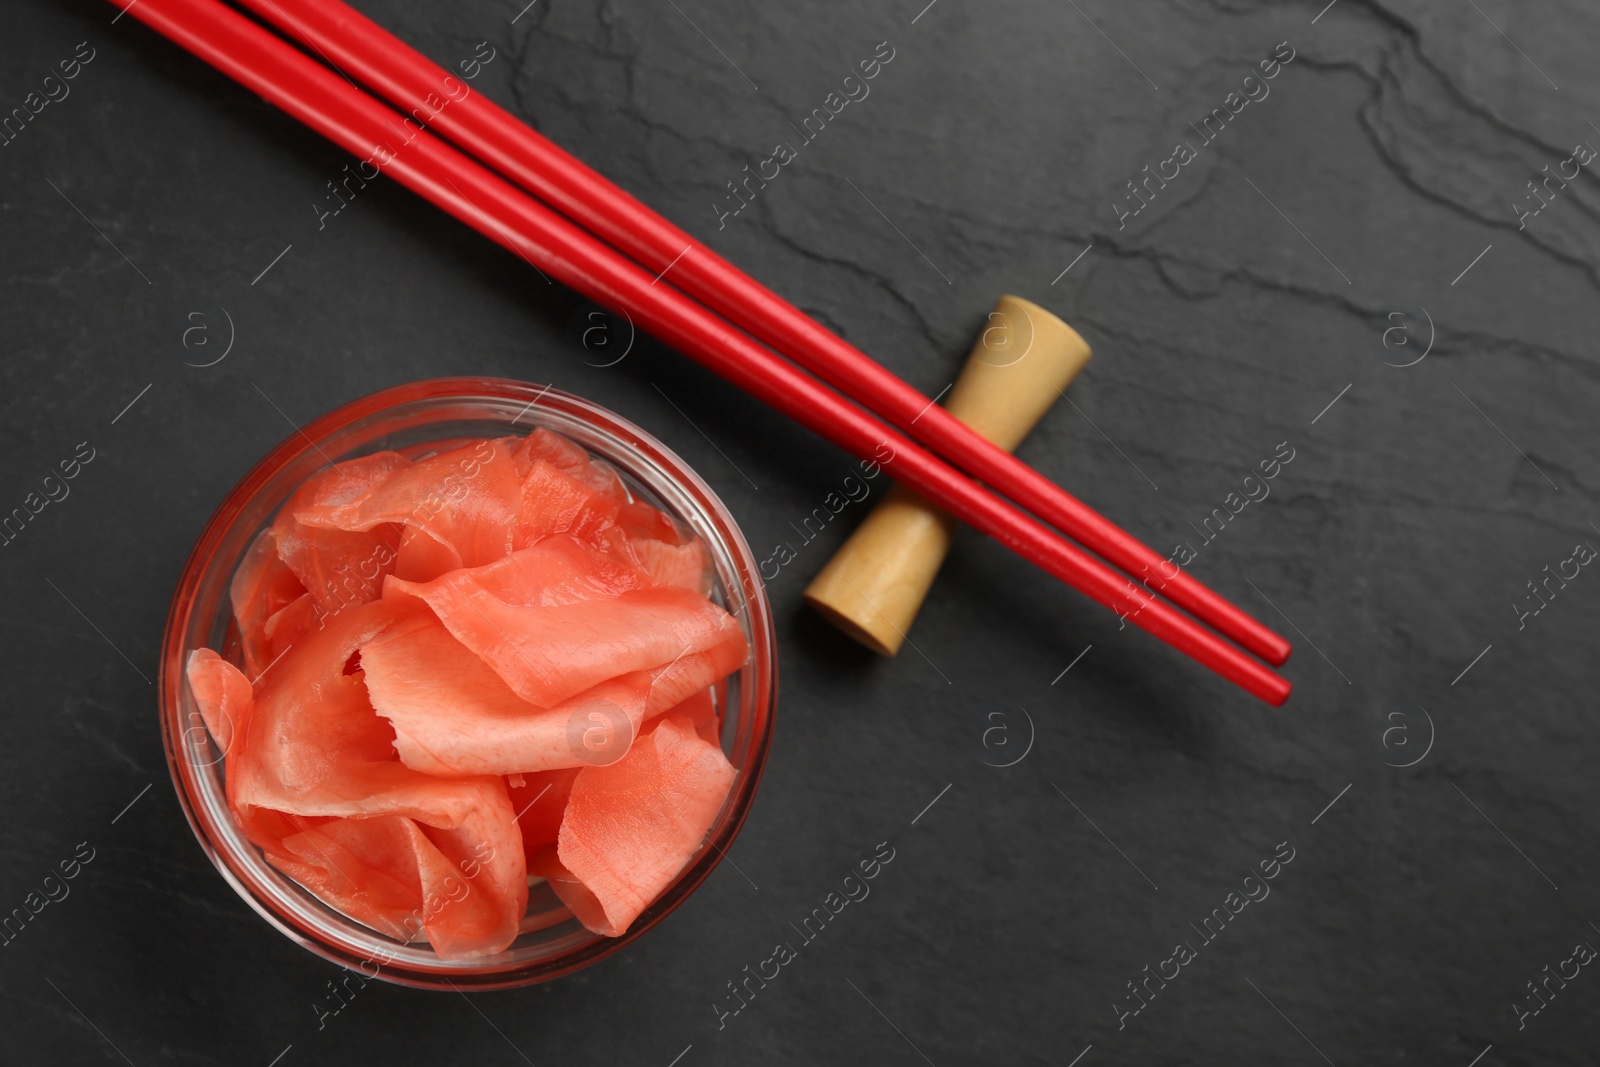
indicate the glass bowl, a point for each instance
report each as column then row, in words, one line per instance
column 409, row 419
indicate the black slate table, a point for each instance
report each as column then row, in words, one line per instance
column 1381, row 260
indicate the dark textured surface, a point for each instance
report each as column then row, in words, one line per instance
column 1397, row 141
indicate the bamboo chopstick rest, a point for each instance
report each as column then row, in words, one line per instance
column 876, row 582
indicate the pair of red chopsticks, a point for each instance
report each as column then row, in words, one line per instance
column 721, row 331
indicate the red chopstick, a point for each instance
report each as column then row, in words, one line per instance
column 325, row 102
column 362, row 49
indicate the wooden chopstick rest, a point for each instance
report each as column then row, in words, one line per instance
column 874, row 585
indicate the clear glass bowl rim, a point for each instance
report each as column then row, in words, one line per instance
column 241, row 864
